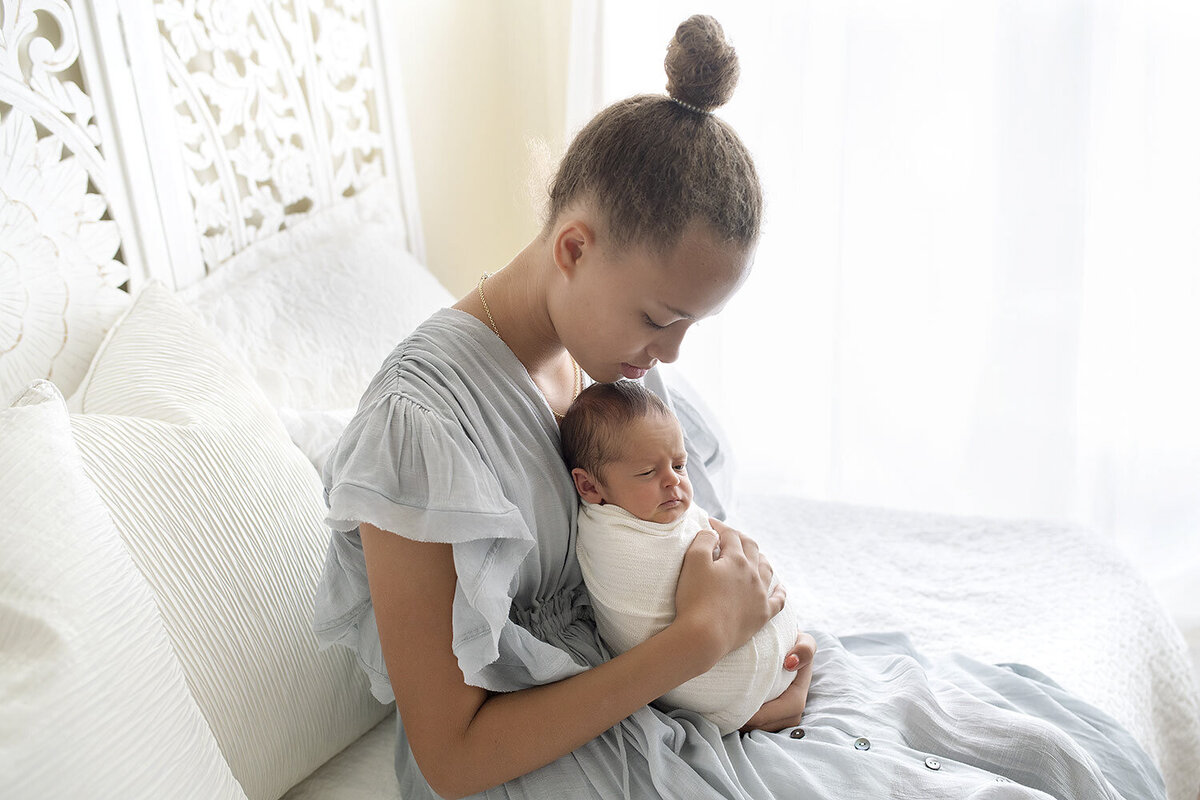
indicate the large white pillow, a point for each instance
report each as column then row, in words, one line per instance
column 316, row 432
column 93, row 701
column 224, row 516
column 315, row 309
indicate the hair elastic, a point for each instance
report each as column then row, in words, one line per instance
column 689, row 106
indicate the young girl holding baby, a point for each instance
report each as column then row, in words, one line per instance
column 452, row 571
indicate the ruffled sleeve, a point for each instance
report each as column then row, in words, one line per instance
column 406, row 468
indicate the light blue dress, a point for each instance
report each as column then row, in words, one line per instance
column 454, row 443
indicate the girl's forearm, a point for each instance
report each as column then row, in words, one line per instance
column 466, row 740
column 554, row 719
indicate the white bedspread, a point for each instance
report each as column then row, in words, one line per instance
column 1042, row 594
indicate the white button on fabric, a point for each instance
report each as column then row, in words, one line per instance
column 862, row 743
column 933, row 763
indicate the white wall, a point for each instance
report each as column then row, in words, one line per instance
column 481, row 79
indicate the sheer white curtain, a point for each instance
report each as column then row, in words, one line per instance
column 978, row 286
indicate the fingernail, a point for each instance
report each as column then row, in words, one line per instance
column 791, row 662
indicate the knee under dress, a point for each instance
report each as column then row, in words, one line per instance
column 453, row 443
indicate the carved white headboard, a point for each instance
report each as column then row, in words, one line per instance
column 157, row 138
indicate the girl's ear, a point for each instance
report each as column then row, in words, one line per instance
column 572, row 241
column 589, row 489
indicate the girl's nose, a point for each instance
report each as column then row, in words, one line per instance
column 666, row 348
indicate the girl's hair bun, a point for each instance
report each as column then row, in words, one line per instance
column 702, row 68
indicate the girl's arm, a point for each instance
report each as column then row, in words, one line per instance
column 785, row 711
column 466, row 740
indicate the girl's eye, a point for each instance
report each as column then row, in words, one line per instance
column 652, row 323
column 646, row 474
column 680, row 467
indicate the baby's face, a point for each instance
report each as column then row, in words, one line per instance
column 650, row 479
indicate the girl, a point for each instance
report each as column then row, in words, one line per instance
column 452, row 572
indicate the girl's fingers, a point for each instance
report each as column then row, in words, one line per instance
column 718, row 525
column 802, row 652
column 733, row 540
column 776, row 599
column 784, row 711
column 749, row 547
column 730, row 540
column 705, row 541
column 765, row 570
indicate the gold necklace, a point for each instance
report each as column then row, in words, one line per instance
column 577, row 388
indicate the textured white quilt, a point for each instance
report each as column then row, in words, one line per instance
column 1037, row 593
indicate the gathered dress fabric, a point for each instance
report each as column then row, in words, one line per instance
column 452, row 442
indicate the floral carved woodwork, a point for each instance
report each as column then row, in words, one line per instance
column 59, row 277
column 276, row 111
column 219, row 122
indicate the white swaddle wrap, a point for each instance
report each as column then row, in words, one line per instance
column 631, row 567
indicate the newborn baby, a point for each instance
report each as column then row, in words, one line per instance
column 626, row 454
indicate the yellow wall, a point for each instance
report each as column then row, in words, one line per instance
column 481, row 79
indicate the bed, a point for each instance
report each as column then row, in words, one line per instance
column 210, row 240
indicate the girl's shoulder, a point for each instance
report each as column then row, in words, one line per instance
column 447, row 335
column 419, row 403
column 450, row 355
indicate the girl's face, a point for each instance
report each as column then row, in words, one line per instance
column 649, row 479
column 624, row 311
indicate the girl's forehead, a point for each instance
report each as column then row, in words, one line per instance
column 694, row 279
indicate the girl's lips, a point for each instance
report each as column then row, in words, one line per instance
column 632, row 372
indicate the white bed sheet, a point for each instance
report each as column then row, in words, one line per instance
column 1037, row 593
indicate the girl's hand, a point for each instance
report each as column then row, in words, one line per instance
column 723, row 589
column 785, row 711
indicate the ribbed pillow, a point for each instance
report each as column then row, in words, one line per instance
column 93, row 701
column 224, row 516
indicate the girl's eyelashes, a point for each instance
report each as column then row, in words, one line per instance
column 646, row 318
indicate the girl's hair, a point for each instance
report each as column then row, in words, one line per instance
column 654, row 164
column 591, row 432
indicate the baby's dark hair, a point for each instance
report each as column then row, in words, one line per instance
column 590, row 431
column 653, row 165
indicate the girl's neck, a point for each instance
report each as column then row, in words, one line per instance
column 517, row 299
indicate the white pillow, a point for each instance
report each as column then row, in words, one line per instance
column 224, row 516
column 93, row 701
column 315, row 309
column 316, row 432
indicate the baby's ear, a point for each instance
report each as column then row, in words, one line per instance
column 588, row 489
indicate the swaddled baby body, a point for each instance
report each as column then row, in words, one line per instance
column 636, row 521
